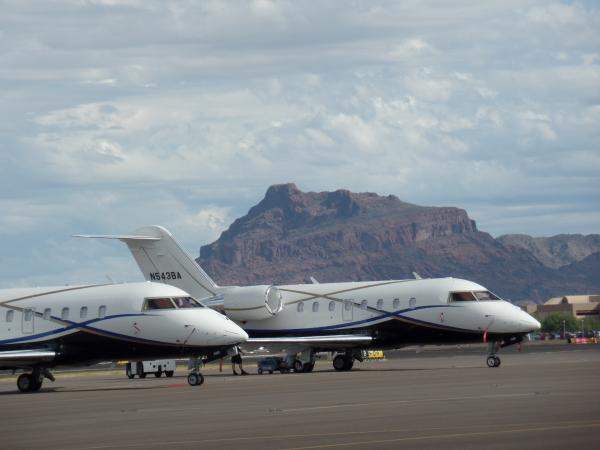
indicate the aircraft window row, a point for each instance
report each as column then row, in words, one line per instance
column 472, row 296
column 364, row 304
column 171, row 303
column 47, row 314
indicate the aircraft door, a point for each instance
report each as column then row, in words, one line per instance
column 348, row 310
column 27, row 320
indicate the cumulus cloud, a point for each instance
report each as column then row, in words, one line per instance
column 117, row 114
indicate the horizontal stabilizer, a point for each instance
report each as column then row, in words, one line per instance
column 121, row 237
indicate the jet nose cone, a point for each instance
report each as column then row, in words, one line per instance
column 530, row 324
column 237, row 333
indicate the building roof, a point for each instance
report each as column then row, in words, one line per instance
column 573, row 299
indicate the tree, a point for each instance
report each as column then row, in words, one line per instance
column 553, row 323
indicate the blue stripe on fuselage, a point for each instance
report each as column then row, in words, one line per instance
column 82, row 326
column 384, row 314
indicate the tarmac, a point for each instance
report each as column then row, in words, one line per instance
column 545, row 397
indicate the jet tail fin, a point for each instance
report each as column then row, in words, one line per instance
column 161, row 259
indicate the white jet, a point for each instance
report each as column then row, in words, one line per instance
column 41, row 328
column 341, row 317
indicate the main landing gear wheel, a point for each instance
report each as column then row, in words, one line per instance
column 195, row 379
column 493, row 361
column 28, row 383
column 342, row 363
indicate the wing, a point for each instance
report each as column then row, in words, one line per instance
column 298, row 343
column 12, row 359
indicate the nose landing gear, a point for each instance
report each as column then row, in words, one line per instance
column 195, row 378
column 493, row 361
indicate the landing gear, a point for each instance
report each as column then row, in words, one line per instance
column 26, row 383
column 343, row 363
column 492, row 360
column 32, row 382
column 195, row 379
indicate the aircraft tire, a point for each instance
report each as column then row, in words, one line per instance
column 498, row 361
column 339, row 363
column 491, row 361
column 169, row 373
column 25, row 382
column 348, row 364
column 195, row 379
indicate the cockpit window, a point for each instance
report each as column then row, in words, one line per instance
column 187, row 302
column 158, row 303
column 472, row 296
column 485, row 295
column 171, row 303
column 463, row 297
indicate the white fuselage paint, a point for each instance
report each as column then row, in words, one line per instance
column 364, row 304
column 34, row 316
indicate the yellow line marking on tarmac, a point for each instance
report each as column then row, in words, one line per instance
column 534, row 427
column 450, row 436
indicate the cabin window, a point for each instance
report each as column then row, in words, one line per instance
column 102, row 311
column 412, row 302
column 64, row 313
column 348, row 305
column 83, row 312
column 396, row 303
column 363, row 304
column 10, row 315
column 315, row 306
column 47, row 313
column 380, row 303
column 27, row 315
column 300, row 307
column 331, row 305
column 186, row 302
column 158, row 303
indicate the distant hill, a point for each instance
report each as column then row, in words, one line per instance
column 342, row 236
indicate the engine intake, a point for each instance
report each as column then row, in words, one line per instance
column 245, row 303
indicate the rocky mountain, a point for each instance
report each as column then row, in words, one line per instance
column 556, row 251
column 342, row 236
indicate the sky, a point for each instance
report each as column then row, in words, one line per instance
column 119, row 114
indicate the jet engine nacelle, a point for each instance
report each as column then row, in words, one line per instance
column 245, row 303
